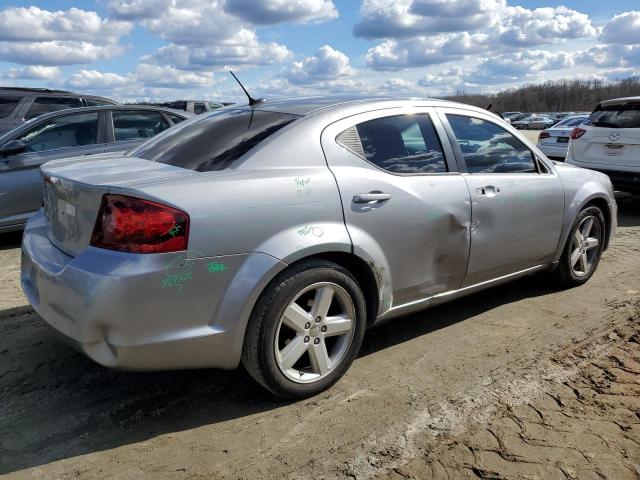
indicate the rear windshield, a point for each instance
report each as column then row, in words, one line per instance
column 213, row 141
column 7, row 105
column 616, row 116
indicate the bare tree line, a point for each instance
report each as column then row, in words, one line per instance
column 554, row 96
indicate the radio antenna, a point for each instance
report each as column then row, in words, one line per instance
column 252, row 101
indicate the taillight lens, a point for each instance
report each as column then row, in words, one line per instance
column 129, row 224
column 544, row 135
column 577, row 132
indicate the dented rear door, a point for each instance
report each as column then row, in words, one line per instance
column 414, row 229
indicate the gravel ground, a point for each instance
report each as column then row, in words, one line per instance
column 520, row 381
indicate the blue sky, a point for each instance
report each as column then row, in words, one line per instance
column 167, row 49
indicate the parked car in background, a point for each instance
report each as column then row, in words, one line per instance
column 68, row 133
column 193, row 106
column 554, row 141
column 533, row 122
column 274, row 235
column 17, row 105
column 609, row 142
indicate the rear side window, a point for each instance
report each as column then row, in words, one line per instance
column 134, row 125
column 213, row 141
column 489, row 148
column 398, row 144
column 63, row 132
column 616, row 116
column 51, row 104
column 8, row 105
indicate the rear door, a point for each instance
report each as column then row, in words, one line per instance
column 126, row 129
column 61, row 137
column 406, row 206
column 517, row 200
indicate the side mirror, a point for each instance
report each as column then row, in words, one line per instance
column 12, row 147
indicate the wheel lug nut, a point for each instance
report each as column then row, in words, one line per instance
column 316, row 341
column 318, row 319
column 306, row 339
column 323, row 329
column 307, row 325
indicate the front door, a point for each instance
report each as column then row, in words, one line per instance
column 517, row 200
column 406, row 207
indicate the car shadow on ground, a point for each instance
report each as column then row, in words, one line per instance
column 57, row 404
column 10, row 240
column 628, row 210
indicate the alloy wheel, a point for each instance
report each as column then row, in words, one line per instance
column 314, row 332
column 585, row 246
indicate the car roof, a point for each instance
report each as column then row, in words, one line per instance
column 312, row 104
column 46, row 91
column 618, row 101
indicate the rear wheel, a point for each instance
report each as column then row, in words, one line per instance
column 306, row 330
column 583, row 249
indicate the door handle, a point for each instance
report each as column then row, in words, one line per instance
column 489, row 191
column 371, row 197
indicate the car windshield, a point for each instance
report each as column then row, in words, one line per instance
column 616, row 116
column 213, row 141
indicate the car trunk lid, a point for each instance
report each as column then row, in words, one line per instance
column 73, row 193
column 615, row 146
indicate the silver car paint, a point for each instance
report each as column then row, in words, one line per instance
column 283, row 204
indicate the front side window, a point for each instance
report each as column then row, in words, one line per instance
column 214, row 141
column 94, row 102
column 135, row 125
column 8, row 105
column 63, row 132
column 199, row 108
column 43, row 105
column 400, row 144
column 616, row 116
column 489, row 148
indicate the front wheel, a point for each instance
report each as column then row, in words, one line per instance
column 583, row 249
column 306, row 330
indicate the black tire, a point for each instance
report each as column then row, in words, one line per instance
column 258, row 354
column 564, row 274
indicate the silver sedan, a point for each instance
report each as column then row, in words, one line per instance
column 275, row 235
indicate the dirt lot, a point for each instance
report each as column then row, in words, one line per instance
column 520, row 381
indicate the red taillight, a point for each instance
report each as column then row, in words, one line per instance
column 577, row 132
column 130, row 224
column 544, row 135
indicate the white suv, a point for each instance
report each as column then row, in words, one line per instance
column 609, row 141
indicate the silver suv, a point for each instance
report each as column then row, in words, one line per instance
column 17, row 105
column 609, row 142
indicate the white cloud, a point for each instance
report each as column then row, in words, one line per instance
column 220, row 56
column 137, row 9
column 518, row 67
column 34, row 72
column 524, row 27
column 623, row 29
column 423, row 51
column 326, row 64
column 56, row 52
column 35, row 24
column 407, row 18
column 94, row 80
column 266, row 12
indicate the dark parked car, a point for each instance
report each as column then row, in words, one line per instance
column 69, row 133
column 17, row 105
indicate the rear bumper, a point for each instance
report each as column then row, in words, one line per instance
column 134, row 311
